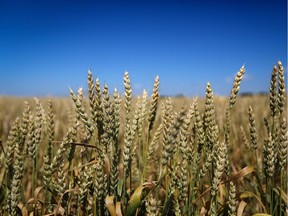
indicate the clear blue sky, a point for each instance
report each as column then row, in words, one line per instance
column 47, row 46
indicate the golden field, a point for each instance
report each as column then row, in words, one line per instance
column 106, row 153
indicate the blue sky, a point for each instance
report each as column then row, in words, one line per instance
column 47, row 46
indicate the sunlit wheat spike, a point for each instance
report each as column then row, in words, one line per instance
column 177, row 208
column 283, row 146
column 267, row 125
column 114, row 173
column 228, row 125
column 72, row 138
column 244, row 138
column 154, row 103
column 184, row 180
column 236, row 87
column 60, row 180
column 51, row 121
column 204, row 170
column 136, row 118
column 273, row 91
column 99, row 109
column 17, row 177
column 166, row 118
column 199, row 124
column 174, row 178
column 143, row 113
column 127, row 148
column 209, row 113
column 220, row 167
column 135, row 127
column 170, row 143
column 36, row 130
column 232, row 199
column 151, row 207
column 81, row 112
column 90, row 205
column 31, row 140
column 99, row 181
column 199, row 131
column 209, row 120
column 91, row 96
column 128, row 94
column 252, row 128
column 107, row 111
column 269, row 156
column 47, row 171
column 184, row 130
column 100, row 185
column 50, row 130
column 11, row 143
column 25, row 119
column 154, row 142
column 116, row 113
column 86, row 181
column 18, row 169
column 60, row 154
column 281, row 88
column 116, row 149
column 127, row 134
column 106, row 136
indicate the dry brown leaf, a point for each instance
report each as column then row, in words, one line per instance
column 24, row 211
column 118, row 209
column 59, row 209
column 241, row 208
column 110, row 205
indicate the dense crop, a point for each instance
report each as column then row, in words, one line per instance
column 113, row 154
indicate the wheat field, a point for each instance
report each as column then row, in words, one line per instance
column 110, row 153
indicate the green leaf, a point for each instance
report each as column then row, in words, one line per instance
column 246, row 194
column 134, row 201
column 110, row 205
column 136, row 197
column 120, row 186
